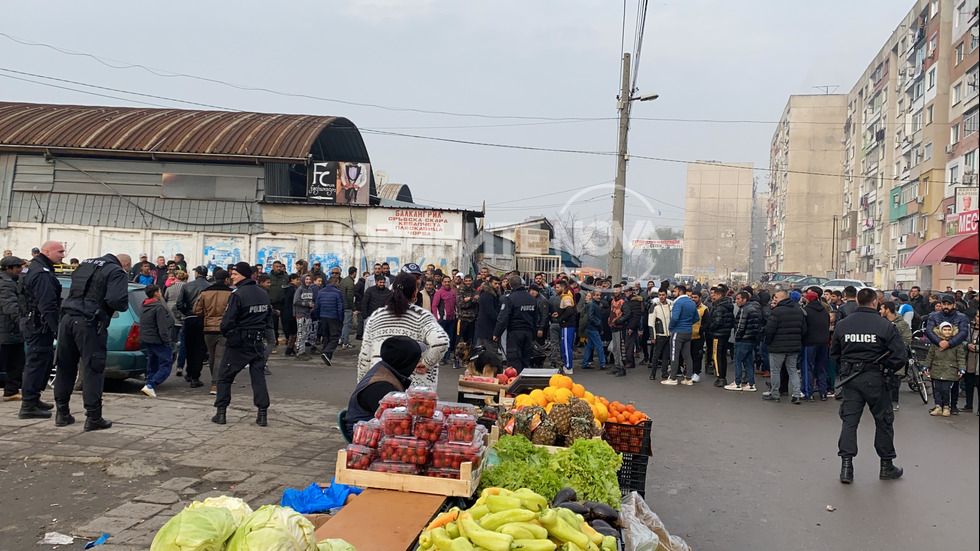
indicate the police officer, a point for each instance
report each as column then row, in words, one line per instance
column 43, row 293
column 859, row 340
column 243, row 325
column 99, row 287
column 518, row 316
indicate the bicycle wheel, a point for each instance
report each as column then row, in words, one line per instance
column 917, row 384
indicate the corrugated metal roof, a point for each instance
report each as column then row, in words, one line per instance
column 176, row 133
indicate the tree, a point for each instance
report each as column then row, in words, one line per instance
column 651, row 262
column 578, row 237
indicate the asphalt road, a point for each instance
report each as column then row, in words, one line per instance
column 732, row 472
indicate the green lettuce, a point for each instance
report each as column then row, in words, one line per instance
column 238, row 508
column 274, row 528
column 199, row 529
column 515, row 463
column 590, row 467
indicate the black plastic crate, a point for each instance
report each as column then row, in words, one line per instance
column 920, row 347
column 633, row 474
column 633, row 439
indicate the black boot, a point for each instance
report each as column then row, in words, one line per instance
column 33, row 410
column 219, row 417
column 846, row 470
column 97, row 423
column 63, row 416
column 889, row 471
column 620, row 372
column 46, row 406
column 261, row 419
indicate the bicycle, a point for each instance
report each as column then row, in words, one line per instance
column 913, row 373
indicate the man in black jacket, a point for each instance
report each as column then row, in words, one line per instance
column 243, row 326
column 541, row 305
column 859, row 341
column 486, row 316
column 193, row 328
column 43, row 293
column 748, row 328
column 99, row 288
column 722, row 321
column 784, row 336
column 374, row 297
column 13, row 307
column 518, row 316
column 816, row 342
column 634, row 326
column 277, row 293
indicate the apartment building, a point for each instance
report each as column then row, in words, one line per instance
column 759, row 246
column 901, row 163
column 805, row 185
column 718, row 219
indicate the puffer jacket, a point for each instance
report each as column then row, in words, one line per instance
column 13, row 306
column 786, row 328
column 817, row 323
column 330, row 303
column 210, row 306
column 722, row 318
column 156, row 322
column 748, row 326
column 467, row 309
column 946, row 364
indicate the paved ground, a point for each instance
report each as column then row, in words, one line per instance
column 729, row 471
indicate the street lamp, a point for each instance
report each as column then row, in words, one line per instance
column 615, row 264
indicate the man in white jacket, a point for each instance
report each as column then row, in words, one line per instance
column 661, row 308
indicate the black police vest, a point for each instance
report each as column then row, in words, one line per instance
column 254, row 307
column 88, row 288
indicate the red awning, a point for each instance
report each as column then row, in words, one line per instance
column 961, row 249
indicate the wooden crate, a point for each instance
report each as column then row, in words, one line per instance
column 469, row 479
column 475, row 391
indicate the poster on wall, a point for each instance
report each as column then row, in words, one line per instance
column 268, row 251
column 966, row 199
column 340, row 183
column 220, row 250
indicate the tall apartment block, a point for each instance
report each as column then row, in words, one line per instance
column 910, row 147
column 806, row 166
column 718, row 219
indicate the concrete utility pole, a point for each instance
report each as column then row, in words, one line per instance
column 615, row 263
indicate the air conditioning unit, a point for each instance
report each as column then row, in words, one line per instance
column 922, row 235
column 920, row 199
column 949, row 149
column 970, row 179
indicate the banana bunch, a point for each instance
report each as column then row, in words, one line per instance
column 502, row 520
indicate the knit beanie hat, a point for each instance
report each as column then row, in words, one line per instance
column 401, row 353
column 811, row 296
column 795, row 296
column 243, row 269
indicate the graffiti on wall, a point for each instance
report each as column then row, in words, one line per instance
column 267, row 255
column 219, row 251
column 327, row 261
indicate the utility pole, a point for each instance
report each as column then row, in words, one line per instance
column 615, row 264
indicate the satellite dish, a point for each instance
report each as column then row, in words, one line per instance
column 380, row 178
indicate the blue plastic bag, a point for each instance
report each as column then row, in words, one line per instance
column 315, row 499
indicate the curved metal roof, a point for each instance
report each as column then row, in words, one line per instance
column 177, row 133
column 396, row 192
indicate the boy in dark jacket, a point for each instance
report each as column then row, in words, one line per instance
column 722, row 321
column 817, row 342
column 329, row 311
column 748, row 328
column 156, row 325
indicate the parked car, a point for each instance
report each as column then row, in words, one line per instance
column 124, row 359
column 808, row 281
column 839, row 284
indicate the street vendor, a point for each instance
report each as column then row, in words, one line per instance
column 400, row 357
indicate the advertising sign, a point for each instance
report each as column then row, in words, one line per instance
column 967, row 222
column 966, row 199
column 658, row 244
column 531, row 241
column 340, row 183
column 423, row 223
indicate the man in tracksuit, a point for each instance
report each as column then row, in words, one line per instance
column 518, row 315
column 722, row 312
column 682, row 319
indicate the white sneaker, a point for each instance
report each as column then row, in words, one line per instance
column 669, row 382
column 748, row 388
column 733, row 386
column 148, row 390
column 696, row 378
column 687, row 382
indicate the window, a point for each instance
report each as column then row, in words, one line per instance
column 959, row 52
column 970, row 122
column 974, row 41
column 929, row 114
column 934, row 8
column 917, row 121
column 917, row 90
column 957, row 93
column 954, row 133
column 932, row 43
column 970, row 161
column 932, row 78
column 954, row 175
column 928, row 151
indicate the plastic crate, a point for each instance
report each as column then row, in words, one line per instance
column 633, row 474
column 635, row 439
column 920, row 347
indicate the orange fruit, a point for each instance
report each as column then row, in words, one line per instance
column 589, row 397
column 549, row 393
column 578, row 391
column 614, row 406
column 630, row 408
column 553, row 381
column 563, row 395
column 634, row 419
column 621, row 408
column 565, row 382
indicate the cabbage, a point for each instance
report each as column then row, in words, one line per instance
column 334, row 545
column 238, row 508
column 200, row 529
column 274, row 528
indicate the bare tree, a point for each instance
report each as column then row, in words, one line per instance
column 576, row 236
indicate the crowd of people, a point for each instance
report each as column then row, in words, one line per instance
column 682, row 333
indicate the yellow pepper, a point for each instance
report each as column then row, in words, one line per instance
column 496, row 520
column 561, row 529
column 535, row 545
column 502, row 503
column 491, row 541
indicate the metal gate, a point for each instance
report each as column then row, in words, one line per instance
column 532, row 264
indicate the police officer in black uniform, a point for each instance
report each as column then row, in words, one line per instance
column 43, row 293
column 859, row 340
column 518, row 316
column 243, row 325
column 99, row 287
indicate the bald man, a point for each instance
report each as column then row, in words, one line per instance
column 43, row 293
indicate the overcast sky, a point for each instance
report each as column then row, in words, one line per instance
column 537, row 60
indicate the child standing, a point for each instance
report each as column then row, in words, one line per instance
column 156, row 329
column 944, row 367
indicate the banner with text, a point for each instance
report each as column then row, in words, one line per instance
column 658, row 244
column 435, row 224
column 340, row 183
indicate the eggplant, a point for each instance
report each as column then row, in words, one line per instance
column 604, row 512
column 604, row 528
column 576, row 508
column 566, row 494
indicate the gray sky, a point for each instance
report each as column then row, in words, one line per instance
column 708, row 59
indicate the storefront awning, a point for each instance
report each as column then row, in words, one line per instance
column 961, row 249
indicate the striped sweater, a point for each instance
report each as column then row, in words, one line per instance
column 417, row 324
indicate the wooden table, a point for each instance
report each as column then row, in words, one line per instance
column 382, row 520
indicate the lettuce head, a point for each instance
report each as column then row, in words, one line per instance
column 200, row 529
column 238, row 508
column 274, row 528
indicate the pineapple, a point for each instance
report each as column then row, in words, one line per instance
column 522, row 424
column 535, row 410
column 502, row 420
column 561, row 414
column 581, row 428
column 545, row 434
column 581, row 409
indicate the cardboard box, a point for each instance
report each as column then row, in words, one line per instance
column 318, row 519
column 382, row 520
